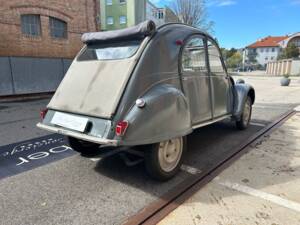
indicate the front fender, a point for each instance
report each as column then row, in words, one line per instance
column 241, row 92
column 165, row 116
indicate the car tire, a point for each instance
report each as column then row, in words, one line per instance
column 83, row 147
column 163, row 160
column 245, row 118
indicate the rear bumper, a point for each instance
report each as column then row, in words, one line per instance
column 84, row 137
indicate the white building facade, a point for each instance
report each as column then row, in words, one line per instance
column 266, row 54
column 160, row 15
column 268, row 49
column 154, row 13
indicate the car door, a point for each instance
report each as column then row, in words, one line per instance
column 220, row 82
column 195, row 79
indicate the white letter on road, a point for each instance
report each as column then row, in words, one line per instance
column 56, row 149
column 22, row 161
column 38, row 155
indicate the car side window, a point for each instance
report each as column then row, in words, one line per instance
column 193, row 56
column 214, row 58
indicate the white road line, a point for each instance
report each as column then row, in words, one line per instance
column 258, row 124
column 263, row 195
column 297, row 109
column 95, row 159
column 191, row 170
column 268, row 107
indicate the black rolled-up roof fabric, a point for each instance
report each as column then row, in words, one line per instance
column 139, row 31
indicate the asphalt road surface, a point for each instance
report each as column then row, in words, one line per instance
column 42, row 181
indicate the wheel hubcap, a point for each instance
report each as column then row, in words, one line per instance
column 170, row 153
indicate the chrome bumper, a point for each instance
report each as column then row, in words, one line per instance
column 84, row 137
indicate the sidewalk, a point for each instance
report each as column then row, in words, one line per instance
column 262, row 187
column 258, row 73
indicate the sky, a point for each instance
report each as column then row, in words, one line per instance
column 239, row 23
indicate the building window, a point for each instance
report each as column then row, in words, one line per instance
column 266, row 58
column 295, row 42
column 160, row 15
column 273, row 49
column 123, row 20
column 122, row 1
column 272, row 58
column 31, row 25
column 58, row 28
column 108, row 2
column 267, row 50
column 262, row 50
column 110, row 20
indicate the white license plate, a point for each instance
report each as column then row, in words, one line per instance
column 70, row 121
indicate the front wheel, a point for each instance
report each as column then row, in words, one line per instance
column 245, row 118
column 83, row 147
column 163, row 160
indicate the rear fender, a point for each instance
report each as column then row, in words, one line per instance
column 165, row 116
column 241, row 92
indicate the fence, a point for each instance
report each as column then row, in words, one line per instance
column 281, row 67
column 28, row 75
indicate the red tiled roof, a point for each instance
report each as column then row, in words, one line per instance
column 268, row 42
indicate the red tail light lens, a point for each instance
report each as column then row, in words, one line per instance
column 121, row 128
column 179, row 42
column 43, row 113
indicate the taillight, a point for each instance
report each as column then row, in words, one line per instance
column 121, row 128
column 43, row 113
column 179, row 42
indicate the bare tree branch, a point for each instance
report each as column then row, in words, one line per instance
column 192, row 12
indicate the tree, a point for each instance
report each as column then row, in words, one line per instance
column 228, row 53
column 235, row 60
column 291, row 51
column 231, row 52
column 192, row 12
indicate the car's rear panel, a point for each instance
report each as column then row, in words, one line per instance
column 94, row 127
column 94, row 87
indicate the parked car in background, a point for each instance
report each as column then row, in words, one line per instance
column 149, row 88
column 244, row 69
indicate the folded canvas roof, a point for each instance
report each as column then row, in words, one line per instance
column 140, row 31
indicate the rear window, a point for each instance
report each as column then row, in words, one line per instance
column 109, row 51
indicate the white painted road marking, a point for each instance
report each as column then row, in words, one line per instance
column 191, row 170
column 268, row 107
column 297, row 109
column 257, row 124
column 263, row 195
column 95, row 159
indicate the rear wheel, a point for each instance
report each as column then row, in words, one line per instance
column 244, row 121
column 83, row 147
column 163, row 160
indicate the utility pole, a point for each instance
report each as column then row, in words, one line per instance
column 244, row 58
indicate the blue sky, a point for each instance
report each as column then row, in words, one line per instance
column 241, row 22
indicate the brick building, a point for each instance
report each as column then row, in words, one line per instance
column 45, row 28
column 39, row 39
